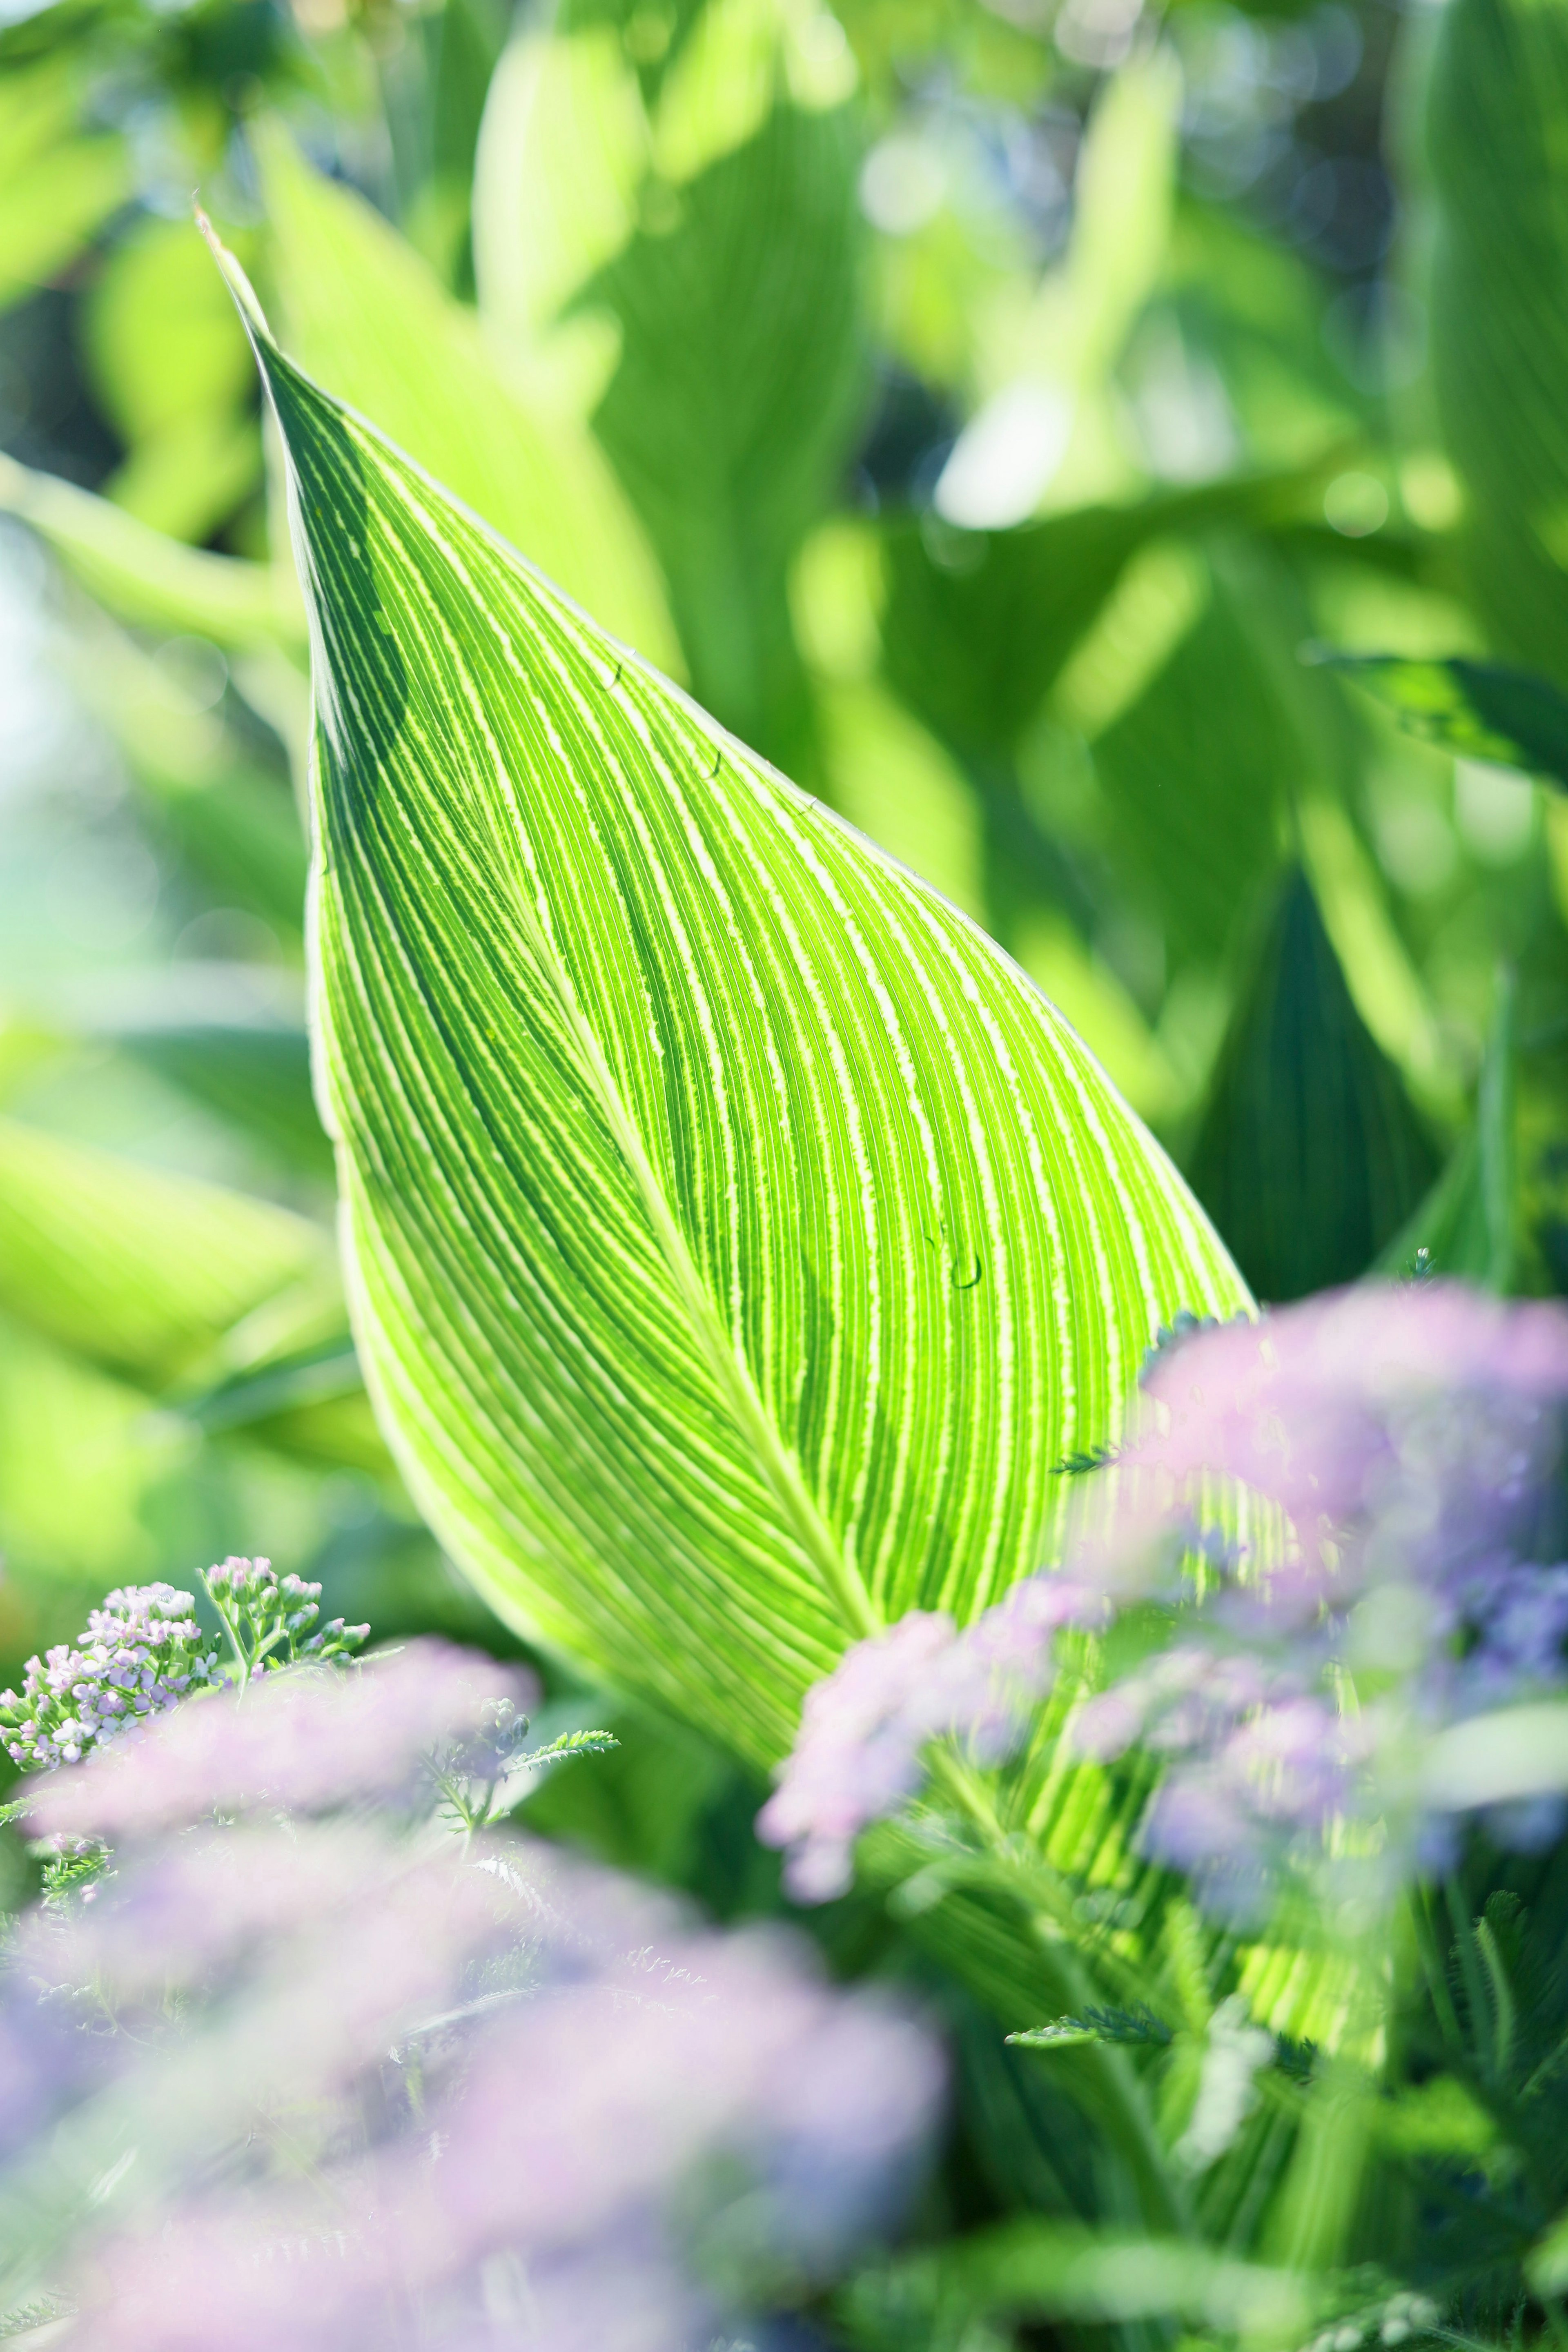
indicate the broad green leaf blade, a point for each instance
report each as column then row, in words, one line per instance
column 1497, row 120
column 714, row 223
column 1477, row 709
column 736, row 1241
column 146, row 577
column 137, row 1268
column 980, row 623
column 1468, row 1225
column 1310, row 1157
column 371, row 320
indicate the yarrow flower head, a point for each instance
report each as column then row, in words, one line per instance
column 865, row 1728
column 1409, row 1442
column 141, row 1653
column 269, row 1618
column 144, row 1652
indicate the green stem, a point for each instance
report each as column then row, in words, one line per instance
column 1111, row 2086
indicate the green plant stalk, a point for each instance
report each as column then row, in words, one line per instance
column 1114, row 2089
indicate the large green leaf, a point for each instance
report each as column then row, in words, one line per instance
column 1497, row 142
column 737, row 1243
column 1477, row 709
column 714, row 220
column 1310, row 1157
column 372, row 321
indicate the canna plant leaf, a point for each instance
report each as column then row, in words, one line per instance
column 1496, row 120
column 372, row 321
column 1310, row 1157
column 1480, row 709
column 735, row 1240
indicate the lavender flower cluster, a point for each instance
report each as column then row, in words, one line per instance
column 269, row 1618
column 1409, row 1443
column 142, row 1651
column 865, row 1729
column 1336, row 1532
column 384, row 2085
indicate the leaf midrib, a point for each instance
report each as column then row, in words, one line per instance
column 842, row 1582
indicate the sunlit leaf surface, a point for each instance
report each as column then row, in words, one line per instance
column 737, row 1241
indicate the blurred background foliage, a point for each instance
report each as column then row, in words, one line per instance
column 996, row 413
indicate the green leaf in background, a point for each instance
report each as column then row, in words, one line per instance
column 1468, row 1224
column 1477, row 709
column 717, row 225
column 257, row 1077
column 146, row 577
column 978, row 624
column 1047, row 433
column 139, row 1269
column 56, row 187
column 1198, row 772
column 1310, row 1157
column 1496, row 127
column 1039, row 2269
column 736, row 1241
column 374, row 325
column 180, row 401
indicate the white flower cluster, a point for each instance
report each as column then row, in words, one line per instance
column 142, row 1653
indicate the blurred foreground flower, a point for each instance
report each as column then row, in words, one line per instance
column 340, row 2079
column 866, row 1726
column 1333, row 1535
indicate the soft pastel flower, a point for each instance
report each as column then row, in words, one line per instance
column 1410, row 1438
column 142, row 1653
column 864, row 1728
column 385, row 2085
column 301, row 1741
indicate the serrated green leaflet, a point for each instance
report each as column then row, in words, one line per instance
column 736, row 1240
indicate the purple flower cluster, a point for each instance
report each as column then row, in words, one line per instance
column 1338, row 1531
column 141, row 1653
column 865, row 1728
column 304, row 1741
column 1409, row 1442
column 388, row 2086
column 269, row 1618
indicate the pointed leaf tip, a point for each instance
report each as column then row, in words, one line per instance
column 239, row 284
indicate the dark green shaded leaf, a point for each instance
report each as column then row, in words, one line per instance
column 1468, row 1224
column 1310, row 1157
column 1479, row 709
column 978, row 624
column 1497, row 123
